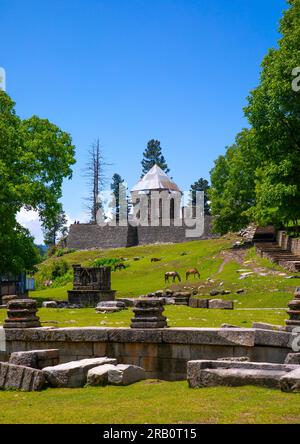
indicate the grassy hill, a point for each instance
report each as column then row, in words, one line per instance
column 265, row 297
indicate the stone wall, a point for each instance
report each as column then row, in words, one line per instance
column 288, row 243
column 88, row 236
column 163, row 353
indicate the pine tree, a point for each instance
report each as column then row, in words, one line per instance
column 201, row 185
column 116, row 187
column 153, row 155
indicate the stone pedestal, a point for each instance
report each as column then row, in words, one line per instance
column 294, row 311
column 148, row 314
column 21, row 313
column 91, row 286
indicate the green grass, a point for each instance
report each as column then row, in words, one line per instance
column 150, row 402
column 178, row 316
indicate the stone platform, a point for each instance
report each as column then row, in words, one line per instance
column 163, row 353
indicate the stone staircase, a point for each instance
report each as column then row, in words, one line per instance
column 280, row 250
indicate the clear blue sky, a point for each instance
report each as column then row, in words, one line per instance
column 127, row 71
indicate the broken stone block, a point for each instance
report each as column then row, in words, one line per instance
column 264, row 326
column 198, row 303
column 124, row 374
column 214, row 292
column 220, row 304
column 20, row 378
column 110, row 306
column 49, row 304
column 35, row 358
column 290, row 382
column 99, row 375
column 73, row 374
column 293, row 358
column 8, row 298
column 236, row 373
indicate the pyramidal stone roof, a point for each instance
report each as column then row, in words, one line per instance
column 156, row 179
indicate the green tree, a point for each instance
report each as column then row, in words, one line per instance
column 35, row 157
column 119, row 192
column 201, row 185
column 153, row 155
column 232, row 191
column 55, row 227
column 274, row 113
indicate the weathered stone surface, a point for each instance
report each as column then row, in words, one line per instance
column 198, row 303
column 50, row 304
column 110, row 306
column 20, row 378
column 236, row 359
column 210, row 336
column 233, row 373
column 8, row 298
column 264, row 326
column 220, row 304
column 290, row 382
column 229, row 326
column 129, row 302
column 148, row 314
column 99, row 375
column 273, row 338
column 73, row 374
column 293, row 358
column 135, row 335
column 124, row 374
column 21, row 313
column 35, row 358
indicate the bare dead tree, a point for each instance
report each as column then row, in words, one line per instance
column 95, row 175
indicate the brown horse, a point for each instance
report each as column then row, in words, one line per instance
column 172, row 274
column 192, row 271
column 156, row 259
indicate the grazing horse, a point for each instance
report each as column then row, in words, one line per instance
column 192, row 271
column 119, row 267
column 156, row 259
column 172, row 274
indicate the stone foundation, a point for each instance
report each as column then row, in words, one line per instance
column 163, row 353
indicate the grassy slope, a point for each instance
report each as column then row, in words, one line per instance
column 150, row 402
column 210, row 257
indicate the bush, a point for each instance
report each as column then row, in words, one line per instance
column 59, row 269
column 62, row 251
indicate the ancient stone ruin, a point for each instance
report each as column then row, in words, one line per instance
column 148, row 314
column 91, row 286
column 21, row 313
column 294, row 311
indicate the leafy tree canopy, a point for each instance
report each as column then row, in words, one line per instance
column 35, row 157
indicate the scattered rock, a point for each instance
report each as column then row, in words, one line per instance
column 49, row 304
column 225, row 292
column 19, row 377
column 110, row 306
column 124, row 374
column 290, row 382
column 169, row 292
column 214, row 292
column 198, row 303
column 229, row 326
column 99, row 375
column 73, row 374
column 129, row 302
column 220, row 304
column 159, row 293
column 35, row 358
column 240, row 291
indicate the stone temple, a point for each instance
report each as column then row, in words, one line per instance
column 158, row 217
